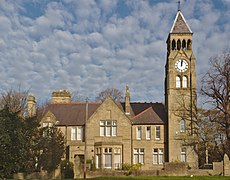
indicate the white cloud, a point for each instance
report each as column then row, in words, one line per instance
column 87, row 46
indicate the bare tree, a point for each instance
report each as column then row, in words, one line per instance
column 216, row 87
column 15, row 101
column 114, row 93
column 200, row 132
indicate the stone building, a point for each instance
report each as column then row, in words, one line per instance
column 131, row 132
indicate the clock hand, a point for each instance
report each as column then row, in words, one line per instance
column 181, row 63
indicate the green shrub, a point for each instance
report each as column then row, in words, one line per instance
column 67, row 169
column 131, row 169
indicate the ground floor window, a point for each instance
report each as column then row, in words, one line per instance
column 117, row 158
column 183, row 154
column 108, row 157
column 139, row 155
column 98, row 158
column 158, row 156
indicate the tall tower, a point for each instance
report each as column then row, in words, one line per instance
column 180, row 92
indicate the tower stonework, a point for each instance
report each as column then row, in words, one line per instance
column 180, row 92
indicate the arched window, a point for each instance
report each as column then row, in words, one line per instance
column 189, row 44
column 182, row 125
column 184, row 82
column 178, row 44
column 173, row 44
column 178, row 82
column 184, row 44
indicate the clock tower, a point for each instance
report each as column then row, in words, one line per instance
column 180, row 92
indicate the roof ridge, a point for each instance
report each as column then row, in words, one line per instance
column 76, row 103
column 142, row 112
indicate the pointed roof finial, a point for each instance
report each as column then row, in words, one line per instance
column 127, row 89
column 178, row 5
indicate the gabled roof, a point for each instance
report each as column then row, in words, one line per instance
column 139, row 107
column 180, row 25
column 74, row 114
column 147, row 116
column 70, row 114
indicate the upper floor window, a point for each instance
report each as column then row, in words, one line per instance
column 76, row 133
column 158, row 132
column 184, row 44
column 183, row 154
column 185, row 82
column 148, row 132
column 139, row 132
column 189, row 44
column 79, row 133
column 108, row 128
column 139, row 155
column 173, row 44
column 178, row 82
column 47, row 128
column 47, row 124
column 73, row 134
column 182, row 125
column 178, row 44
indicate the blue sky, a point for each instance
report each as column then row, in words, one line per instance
column 86, row 46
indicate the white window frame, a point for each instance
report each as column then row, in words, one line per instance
column 148, row 132
column 183, row 154
column 114, row 128
column 73, row 134
column 178, row 82
column 79, row 133
column 139, row 155
column 47, row 124
column 138, row 132
column 102, row 128
column 157, row 137
column 158, row 155
column 108, row 128
column 182, row 125
column 184, row 82
column 107, row 153
column 117, row 158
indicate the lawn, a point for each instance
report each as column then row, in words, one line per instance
column 163, row 178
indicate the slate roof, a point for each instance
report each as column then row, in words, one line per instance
column 180, row 25
column 70, row 114
column 148, row 116
column 74, row 114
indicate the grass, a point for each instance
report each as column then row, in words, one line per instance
column 163, row 178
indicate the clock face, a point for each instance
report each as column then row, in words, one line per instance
column 181, row 65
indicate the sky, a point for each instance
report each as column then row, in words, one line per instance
column 86, row 46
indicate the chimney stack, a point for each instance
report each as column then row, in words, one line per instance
column 127, row 101
column 31, row 105
column 61, row 96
